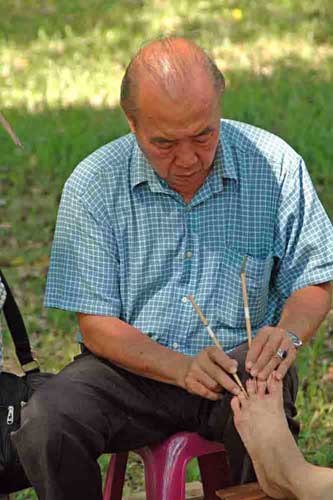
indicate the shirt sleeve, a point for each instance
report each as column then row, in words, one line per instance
column 84, row 267
column 304, row 235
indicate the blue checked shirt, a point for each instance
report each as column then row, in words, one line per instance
column 126, row 245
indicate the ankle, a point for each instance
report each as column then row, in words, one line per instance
column 302, row 484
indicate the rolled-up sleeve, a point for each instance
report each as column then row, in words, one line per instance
column 304, row 235
column 84, row 267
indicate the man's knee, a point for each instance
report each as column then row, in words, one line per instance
column 39, row 430
column 40, row 420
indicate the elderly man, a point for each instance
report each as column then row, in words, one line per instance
column 167, row 211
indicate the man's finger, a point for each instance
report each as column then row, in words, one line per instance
column 210, row 382
column 223, row 360
column 286, row 364
column 269, row 368
column 267, row 355
column 229, row 384
column 224, row 379
column 200, row 390
column 256, row 348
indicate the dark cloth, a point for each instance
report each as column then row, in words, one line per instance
column 93, row 407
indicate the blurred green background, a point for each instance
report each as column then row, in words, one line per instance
column 61, row 63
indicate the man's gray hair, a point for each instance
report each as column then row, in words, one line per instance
column 162, row 63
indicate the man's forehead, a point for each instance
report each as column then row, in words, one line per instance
column 156, row 106
column 196, row 86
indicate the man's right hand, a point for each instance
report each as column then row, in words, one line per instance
column 208, row 373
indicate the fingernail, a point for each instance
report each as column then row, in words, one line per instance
column 278, row 376
column 233, row 368
column 249, row 365
column 254, row 372
column 236, row 390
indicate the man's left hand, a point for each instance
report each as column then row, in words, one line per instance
column 262, row 358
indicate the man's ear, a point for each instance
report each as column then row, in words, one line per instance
column 131, row 123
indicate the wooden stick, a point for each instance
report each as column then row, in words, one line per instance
column 10, row 131
column 212, row 335
column 246, row 303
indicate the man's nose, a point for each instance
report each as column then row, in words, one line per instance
column 186, row 155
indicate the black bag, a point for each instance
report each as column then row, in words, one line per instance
column 15, row 391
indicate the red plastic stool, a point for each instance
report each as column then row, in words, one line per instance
column 165, row 468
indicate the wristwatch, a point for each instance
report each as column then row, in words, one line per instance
column 295, row 339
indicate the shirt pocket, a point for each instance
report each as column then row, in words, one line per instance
column 229, row 304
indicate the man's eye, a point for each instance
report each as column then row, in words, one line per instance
column 164, row 145
column 203, row 139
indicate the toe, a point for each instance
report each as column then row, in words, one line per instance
column 274, row 385
column 251, row 386
column 236, row 406
column 262, row 386
column 243, row 399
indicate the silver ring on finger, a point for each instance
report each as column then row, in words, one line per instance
column 282, row 354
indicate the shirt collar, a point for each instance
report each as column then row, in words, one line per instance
column 142, row 171
column 223, row 167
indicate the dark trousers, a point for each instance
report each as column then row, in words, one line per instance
column 93, row 407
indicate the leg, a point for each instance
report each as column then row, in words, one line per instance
column 281, row 469
column 90, row 408
column 219, row 425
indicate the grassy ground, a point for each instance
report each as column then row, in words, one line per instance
column 60, row 67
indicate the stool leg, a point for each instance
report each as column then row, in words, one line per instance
column 214, row 470
column 165, row 473
column 115, row 477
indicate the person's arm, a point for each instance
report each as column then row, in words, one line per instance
column 127, row 347
column 304, row 267
column 302, row 314
column 305, row 309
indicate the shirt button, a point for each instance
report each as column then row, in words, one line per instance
column 189, row 254
column 175, row 345
column 184, row 299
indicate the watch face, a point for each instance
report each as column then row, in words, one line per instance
column 296, row 340
column 297, row 343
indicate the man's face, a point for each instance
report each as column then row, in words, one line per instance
column 179, row 137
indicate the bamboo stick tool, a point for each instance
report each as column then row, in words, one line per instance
column 10, row 130
column 212, row 335
column 246, row 302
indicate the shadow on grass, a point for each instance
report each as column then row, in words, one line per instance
column 23, row 21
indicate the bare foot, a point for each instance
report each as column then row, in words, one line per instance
column 262, row 425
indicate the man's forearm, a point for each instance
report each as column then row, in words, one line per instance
column 127, row 347
column 305, row 310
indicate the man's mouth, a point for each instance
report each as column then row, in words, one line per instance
column 187, row 172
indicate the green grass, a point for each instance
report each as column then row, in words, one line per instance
column 60, row 67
